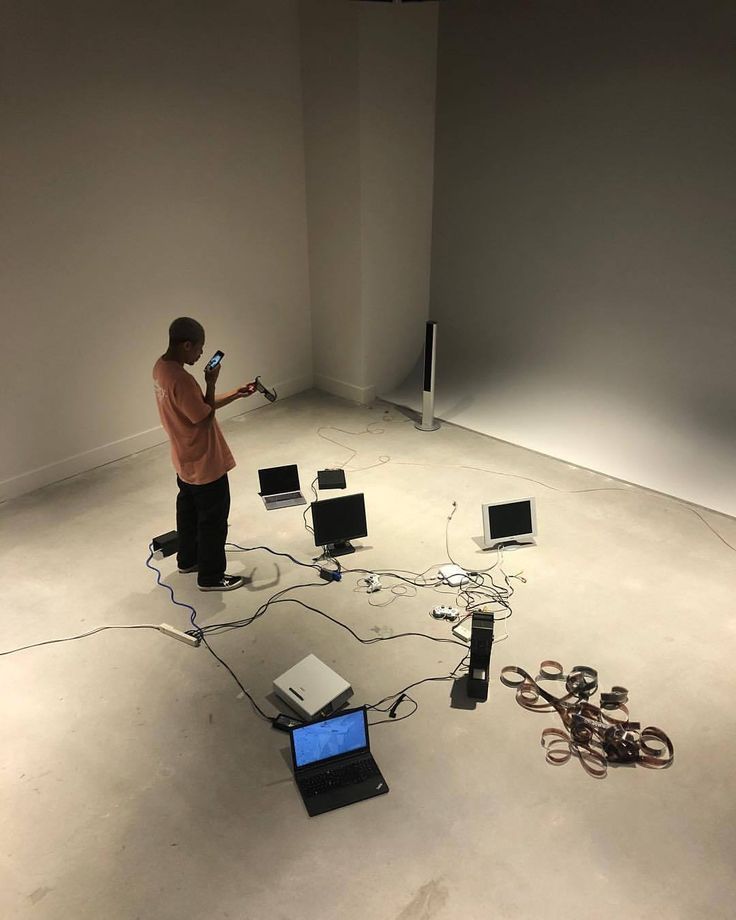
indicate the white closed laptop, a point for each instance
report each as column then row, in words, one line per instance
column 280, row 487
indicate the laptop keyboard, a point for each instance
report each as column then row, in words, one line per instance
column 340, row 776
column 285, row 497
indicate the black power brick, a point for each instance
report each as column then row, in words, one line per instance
column 285, row 723
column 330, row 574
column 165, row 545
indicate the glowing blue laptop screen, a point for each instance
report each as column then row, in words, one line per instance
column 340, row 735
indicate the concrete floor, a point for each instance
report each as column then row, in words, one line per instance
column 138, row 783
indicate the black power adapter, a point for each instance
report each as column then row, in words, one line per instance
column 330, row 574
column 285, row 723
column 165, row 545
column 331, row 479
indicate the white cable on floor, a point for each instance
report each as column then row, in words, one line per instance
column 22, row 648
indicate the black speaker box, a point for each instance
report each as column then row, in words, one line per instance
column 331, row 479
column 481, row 643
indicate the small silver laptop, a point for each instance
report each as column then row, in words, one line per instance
column 280, row 487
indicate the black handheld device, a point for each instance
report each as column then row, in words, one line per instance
column 215, row 360
column 269, row 394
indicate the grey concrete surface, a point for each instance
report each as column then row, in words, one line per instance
column 138, row 784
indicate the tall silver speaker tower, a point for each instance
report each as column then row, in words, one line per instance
column 428, row 422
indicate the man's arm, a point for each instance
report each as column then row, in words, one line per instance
column 217, row 402
column 227, row 398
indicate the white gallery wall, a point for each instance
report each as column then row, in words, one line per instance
column 330, row 32
column 152, row 165
column 398, row 57
column 369, row 78
column 584, row 231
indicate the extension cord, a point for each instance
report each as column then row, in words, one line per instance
column 178, row 634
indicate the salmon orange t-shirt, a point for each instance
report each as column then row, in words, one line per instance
column 199, row 452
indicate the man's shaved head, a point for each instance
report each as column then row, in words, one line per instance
column 185, row 329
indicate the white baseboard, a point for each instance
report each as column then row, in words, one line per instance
column 362, row 395
column 80, row 463
column 292, row 386
column 116, row 450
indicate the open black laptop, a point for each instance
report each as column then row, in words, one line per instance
column 280, row 487
column 333, row 765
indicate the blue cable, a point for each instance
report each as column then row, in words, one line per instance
column 198, row 633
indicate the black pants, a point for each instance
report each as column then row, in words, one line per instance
column 201, row 522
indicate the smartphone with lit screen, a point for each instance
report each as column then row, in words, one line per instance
column 214, row 360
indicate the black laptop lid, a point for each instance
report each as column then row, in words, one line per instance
column 278, row 479
column 323, row 741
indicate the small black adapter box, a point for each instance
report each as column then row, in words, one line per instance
column 331, row 479
column 166, row 545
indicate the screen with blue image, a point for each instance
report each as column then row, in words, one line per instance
column 340, row 735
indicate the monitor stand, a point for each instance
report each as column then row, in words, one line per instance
column 510, row 544
column 339, row 549
column 515, row 544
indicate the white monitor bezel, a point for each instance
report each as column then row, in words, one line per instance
column 517, row 538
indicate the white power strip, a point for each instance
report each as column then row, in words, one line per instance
column 178, row 634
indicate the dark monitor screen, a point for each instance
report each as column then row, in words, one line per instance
column 279, row 479
column 338, row 519
column 510, row 520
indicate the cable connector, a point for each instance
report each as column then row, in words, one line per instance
column 175, row 633
column 330, row 574
column 392, row 710
column 286, row 723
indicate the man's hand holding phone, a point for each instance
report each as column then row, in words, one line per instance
column 212, row 367
column 211, row 374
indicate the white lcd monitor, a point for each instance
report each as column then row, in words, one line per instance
column 509, row 523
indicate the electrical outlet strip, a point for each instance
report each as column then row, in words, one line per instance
column 178, row 634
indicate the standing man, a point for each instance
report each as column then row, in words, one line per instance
column 199, row 453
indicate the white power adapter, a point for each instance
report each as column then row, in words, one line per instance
column 453, row 575
column 464, row 629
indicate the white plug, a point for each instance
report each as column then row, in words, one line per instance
column 178, row 634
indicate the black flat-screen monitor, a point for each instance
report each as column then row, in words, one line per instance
column 337, row 521
column 279, row 479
